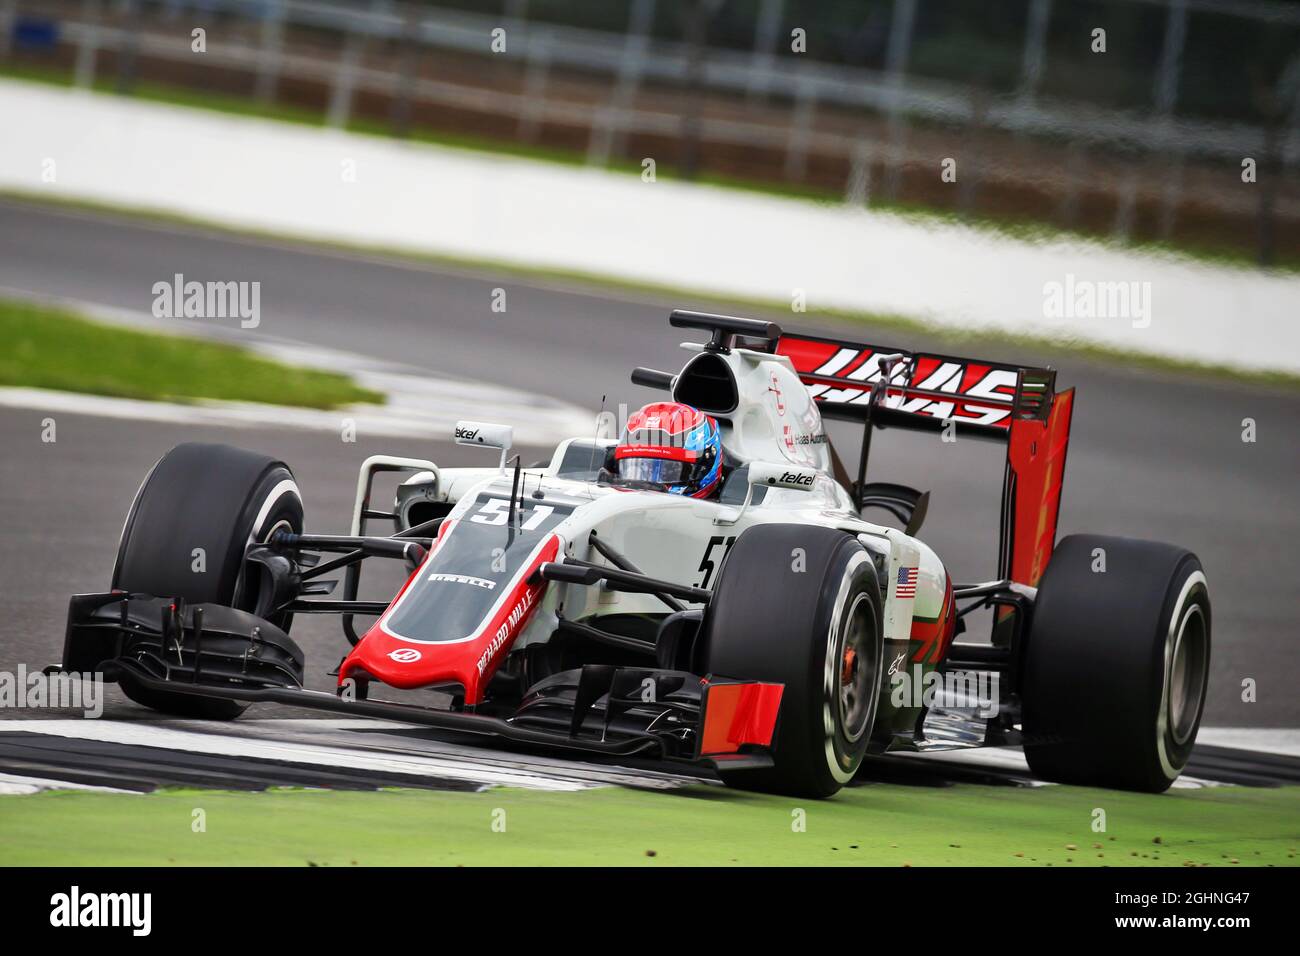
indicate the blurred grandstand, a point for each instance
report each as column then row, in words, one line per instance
column 858, row 101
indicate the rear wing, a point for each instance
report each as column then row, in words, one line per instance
column 927, row 391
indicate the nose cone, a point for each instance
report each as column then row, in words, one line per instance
column 397, row 663
column 450, row 627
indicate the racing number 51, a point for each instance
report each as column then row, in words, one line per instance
column 497, row 511
column 707, row 566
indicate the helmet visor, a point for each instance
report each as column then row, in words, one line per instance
column 653, row 471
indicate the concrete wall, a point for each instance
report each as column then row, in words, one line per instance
column 340, row 186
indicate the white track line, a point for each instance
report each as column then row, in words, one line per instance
column 12, row 784
column 1012, row 760
column 420, row 412
column 146, row 735
column 1266, row 740
column 375, row 736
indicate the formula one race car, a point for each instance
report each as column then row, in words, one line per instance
column 771, row 631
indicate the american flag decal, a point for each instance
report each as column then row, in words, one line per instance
column 906, row 583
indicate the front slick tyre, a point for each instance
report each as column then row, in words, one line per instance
column 800, row 606
column 1116, row 663
column 204, row 499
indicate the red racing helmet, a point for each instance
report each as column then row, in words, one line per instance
column 670, row 447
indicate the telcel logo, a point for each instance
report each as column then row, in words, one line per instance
column 800, row 478
column 466, row 434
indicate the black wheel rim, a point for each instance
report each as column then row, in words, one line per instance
column 1187, row 674
column 857, row 669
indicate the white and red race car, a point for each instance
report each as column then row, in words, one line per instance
column 776, row 633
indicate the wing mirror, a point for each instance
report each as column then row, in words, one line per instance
column 777, row 475
column 486, row 435
column 770, row 474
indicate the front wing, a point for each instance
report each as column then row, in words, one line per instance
column 211, row 651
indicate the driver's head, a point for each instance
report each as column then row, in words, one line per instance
column 670, row 447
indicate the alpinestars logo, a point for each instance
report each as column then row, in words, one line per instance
column 504, row 631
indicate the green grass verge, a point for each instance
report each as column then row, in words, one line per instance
column 52, row 348
column 983, row 339
column 1023, row 229
column 883, row 825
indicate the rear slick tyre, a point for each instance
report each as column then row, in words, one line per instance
column 1116, row 663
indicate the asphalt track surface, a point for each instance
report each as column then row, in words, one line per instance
column 1153, row 455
